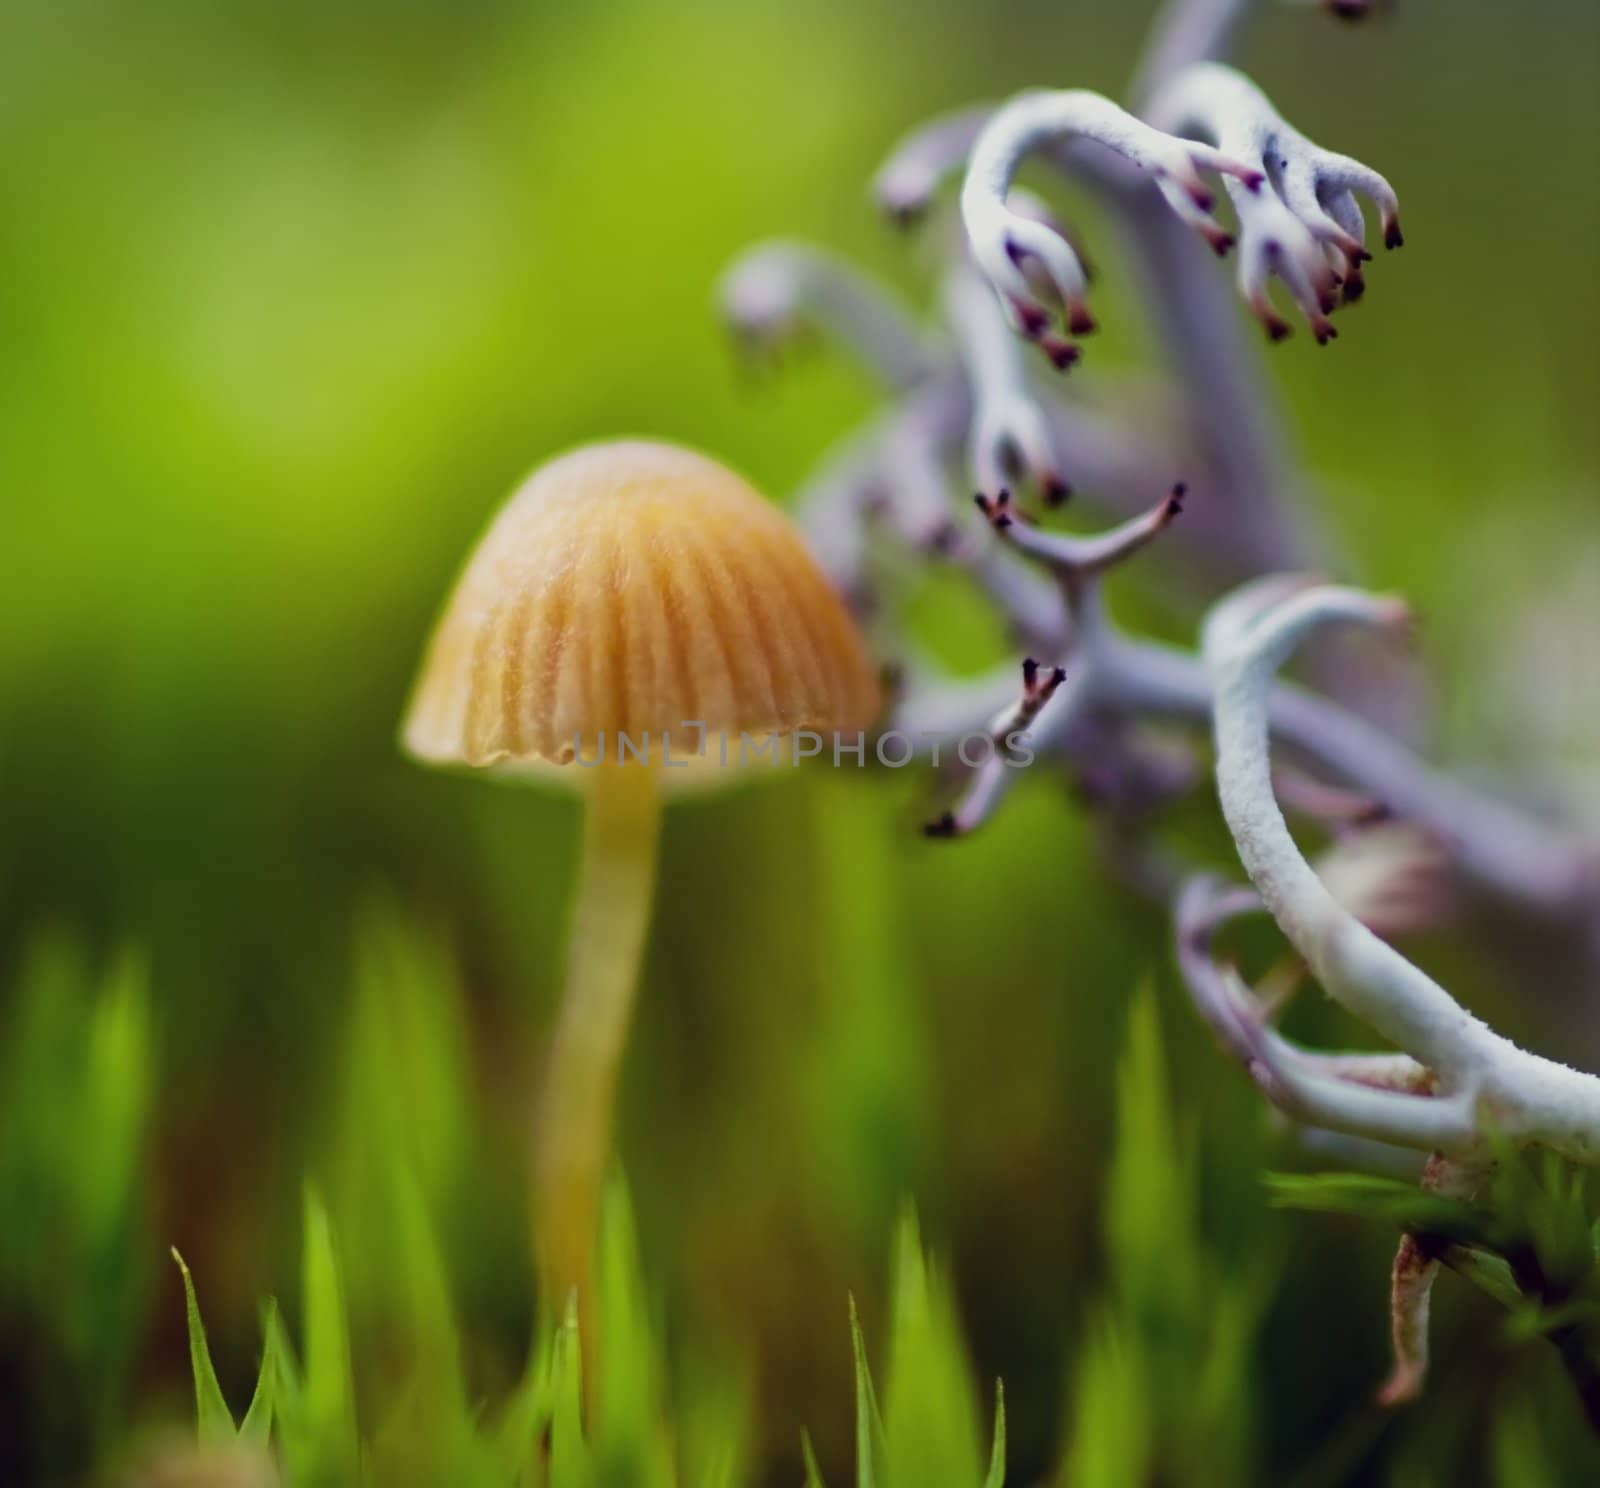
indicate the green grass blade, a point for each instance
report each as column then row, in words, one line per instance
column 930, row 1412
column 214, row 1420
column 1517, row 1446
column 628, row 1443
column 814, row 1478
column 1113, row 1435
column 116, row 1098
column 1371, row 1197
column 571, row 1463
column 426, row 1431
column 1150, row 1206
column 1164, row 1384
column 257, row 1424
column 524, row 1418
column 712, row 1424
column 996, row 1476
column 331, row 1441
column 869, row 1424
column 288, row 1389
column 429, row 1315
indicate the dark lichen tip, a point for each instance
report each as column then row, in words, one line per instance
column 1054, row 491
column 904, row 213
column 1031, row 318
column 1081, row 323
column 1030, row 670
column 1392, row 236
column 1062, row 353
column 943, row 825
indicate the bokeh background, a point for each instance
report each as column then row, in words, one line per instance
column 290, row 295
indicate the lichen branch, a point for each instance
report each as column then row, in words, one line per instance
column 1023, row 258
column 1304, row 227
column 774, row 293
column 1526, row 1098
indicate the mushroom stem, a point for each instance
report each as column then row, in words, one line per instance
column 608, row 931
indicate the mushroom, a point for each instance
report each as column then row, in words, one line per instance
column 636, row 614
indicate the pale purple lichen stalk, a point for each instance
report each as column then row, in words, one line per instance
column 1122, row 717
column 1455, row 1085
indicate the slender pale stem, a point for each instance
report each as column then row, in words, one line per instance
column 1184, row 33
column 575, row 1110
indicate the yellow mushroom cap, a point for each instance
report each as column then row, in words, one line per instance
column 635, row 588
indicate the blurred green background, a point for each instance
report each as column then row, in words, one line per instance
column 290, row 295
